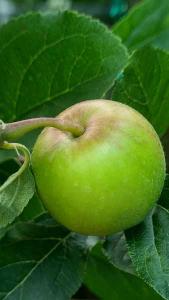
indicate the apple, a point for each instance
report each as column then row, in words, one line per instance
column 105, row 180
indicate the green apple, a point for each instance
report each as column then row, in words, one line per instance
column 105, row 180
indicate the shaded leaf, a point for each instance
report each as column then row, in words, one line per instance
column 147, row 23
column 115, row 249
column 165, row 143
column 144, row 85
column 7, row 167
column 6, row 155
column 148, row 245
column 40, row 260
column 164, row 199
column 34, row 209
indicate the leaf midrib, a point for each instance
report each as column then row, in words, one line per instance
column 38, row 263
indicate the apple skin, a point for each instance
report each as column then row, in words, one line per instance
column 105, row 180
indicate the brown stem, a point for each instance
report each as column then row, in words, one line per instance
column 13, row 131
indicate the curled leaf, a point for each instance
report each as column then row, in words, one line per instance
column 17, row 190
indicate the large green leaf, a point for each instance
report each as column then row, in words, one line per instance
column 148, row 245
column 50, row 61
column 147, row 23
column 109, row 283
column 40, row 260
column 144, row 85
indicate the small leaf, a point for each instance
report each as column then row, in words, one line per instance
column 15, row 197
column 17, row 190
column 71, row 58
column 148, row 245
column 144, row 85
column 147, row 23
column 40, row 260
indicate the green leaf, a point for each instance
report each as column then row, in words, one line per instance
column 15, row 197
column 50, row 61
column 149, row 250
column 109, row 283
column 17, row 190
column 144, row 85
column 147, row 23
column 40, row 260
column 115, row 249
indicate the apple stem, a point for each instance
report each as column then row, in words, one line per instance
column 13, row 131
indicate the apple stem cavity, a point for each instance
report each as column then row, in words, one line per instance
column 13, row 131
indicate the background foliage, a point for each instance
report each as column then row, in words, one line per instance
column 49, row 61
